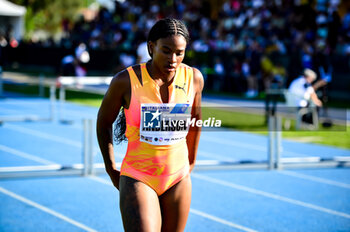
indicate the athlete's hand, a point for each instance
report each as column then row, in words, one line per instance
column 191, row 167
column 115, row 176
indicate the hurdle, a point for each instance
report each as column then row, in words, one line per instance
column 31, row 118
column 274, row 159
column 275, row 151
column 89, row 168
column 41, row 85
column 86, row 168
column 274, row 141
column 76, row 84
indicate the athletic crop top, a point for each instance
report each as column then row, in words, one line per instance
column 152, row 150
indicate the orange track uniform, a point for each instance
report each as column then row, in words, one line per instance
column 158, row 166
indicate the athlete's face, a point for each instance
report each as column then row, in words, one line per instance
column 168, row 53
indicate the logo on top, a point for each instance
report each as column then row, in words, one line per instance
column 181, row 87
column 152, row 119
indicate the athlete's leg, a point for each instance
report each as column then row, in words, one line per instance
column 139, row 206
column 175, row 205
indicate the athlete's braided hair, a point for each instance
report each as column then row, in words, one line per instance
column 162, row 29
column 168, row 27
column 120, row 127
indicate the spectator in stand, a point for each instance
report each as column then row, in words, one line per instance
column 72, row 65
column 307, row 55
column 142, row 51
column 219, row 70
column 232, row 27
column 254, row 57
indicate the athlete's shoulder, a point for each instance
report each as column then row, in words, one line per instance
column 124, row 75
column 189, row 68
column 120, row 77
column 120, row 81
column 198, row 79
column 183, row 65
column 197, row 75
column 186, row 67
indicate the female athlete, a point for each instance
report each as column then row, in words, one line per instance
column 154, row 179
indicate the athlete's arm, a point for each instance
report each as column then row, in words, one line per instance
column 116, row 96
column 194, row 132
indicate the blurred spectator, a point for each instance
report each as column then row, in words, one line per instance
column 250, row 30
column 142, row 50
column 219, row 70
column 307, row 55
column 125, row 60
column 254, row 58
column 142, row 53
column 3, row 43
column 267, row 68
column 72, row 65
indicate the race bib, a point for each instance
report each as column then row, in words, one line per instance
column 164, row 124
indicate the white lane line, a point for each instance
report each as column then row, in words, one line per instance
column 42, row 135
column 293, row 154
column 9, row 110
column 219, row 220
column 248, row 146
column 194, row 211
column 214, row 156
column 270, row 195
column 101, row 180
column 79, row 145
column 47, row 136
column 26, row 103
column 233, row 143
column 64, row 109
column 24, row 155
column 47, row 210
column 316, row 179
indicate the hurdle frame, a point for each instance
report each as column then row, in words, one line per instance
column 74, row 83
column 274, row 159
column 86, row 168
column 51, row 117
column 89, row 168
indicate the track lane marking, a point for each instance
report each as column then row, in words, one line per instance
column 46, row 210
column 43, row 135
column 315, row 179
column 248, row 146
column 25, row 155
column 194, row 211
column 79, row 145
column 270, row 195
column 220, row 220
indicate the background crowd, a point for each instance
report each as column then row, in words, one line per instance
column 244, row 46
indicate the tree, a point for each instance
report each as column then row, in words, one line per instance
column 48, row 15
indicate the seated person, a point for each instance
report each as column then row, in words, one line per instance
column 303, row 90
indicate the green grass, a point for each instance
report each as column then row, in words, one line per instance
column 90, row 99
column 334, row 103
column 337, row 136
column 333, row 138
